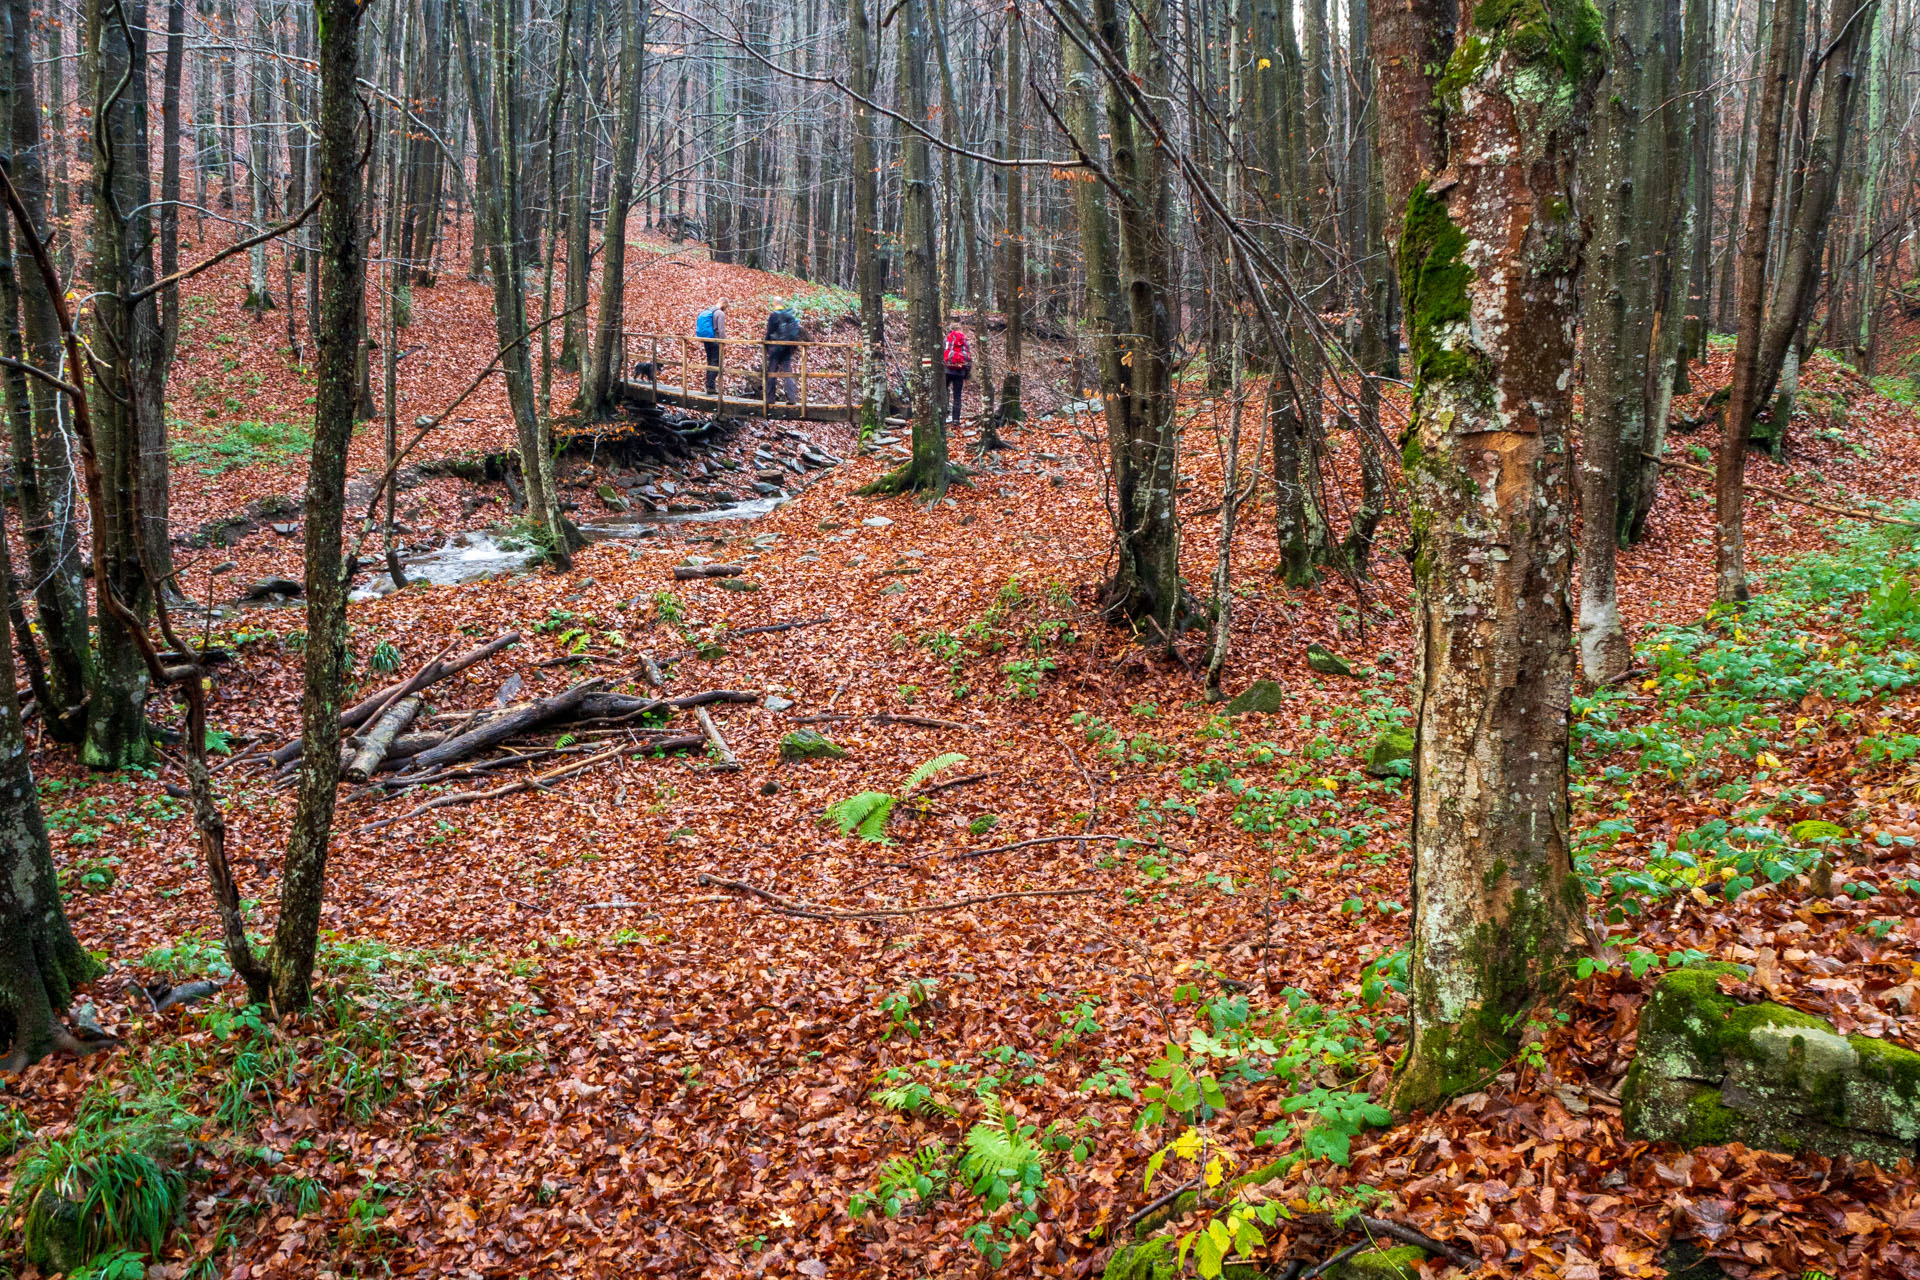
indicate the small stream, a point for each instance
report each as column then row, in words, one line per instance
column 477, row 554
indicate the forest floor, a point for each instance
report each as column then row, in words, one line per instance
column 553, row 1041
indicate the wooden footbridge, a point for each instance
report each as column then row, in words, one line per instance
column 671, row 369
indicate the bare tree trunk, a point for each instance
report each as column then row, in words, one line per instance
column 1483, row 172
column 1744, row 392
column 866, row 222
column 337, row 339
column 597, row 386
column 42, row 471
column 1013, row 247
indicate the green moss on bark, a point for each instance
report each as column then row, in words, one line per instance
column 1568, row 34
column 1434, row 276
column 1401, row 1262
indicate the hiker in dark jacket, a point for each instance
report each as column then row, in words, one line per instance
column 710, row 327
column 783, row 330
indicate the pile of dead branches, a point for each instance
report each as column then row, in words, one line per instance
column 393, row 743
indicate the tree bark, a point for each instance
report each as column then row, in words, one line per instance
column 862, row 73
column 1488, row 254
column 1744, row 393
column 598, row 386
column 1013, row 246
column 929, row 470
column 342, row 302
column 1627, row 356
column 41, row 963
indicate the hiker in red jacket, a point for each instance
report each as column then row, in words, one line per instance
column 959, row 364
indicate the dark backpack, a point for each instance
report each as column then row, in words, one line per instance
column 783, row 326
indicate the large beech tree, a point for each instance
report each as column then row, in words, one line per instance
column 1481, row 113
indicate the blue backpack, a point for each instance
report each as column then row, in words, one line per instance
column 704, row 327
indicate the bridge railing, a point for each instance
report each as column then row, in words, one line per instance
column 827, row 370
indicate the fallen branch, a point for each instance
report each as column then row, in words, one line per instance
column 373, row 752
column 1783, row 495
column 500, row 728
column 1093, row 795
column 951, row 783
column 689, row 572
column 522, row 784
column 1027, row 844
column 1414, row 1236
column 778, row 626
column 1335, row 1260
column 884, row 717
column 814, row 911
column 437, row 669
column 727, row 761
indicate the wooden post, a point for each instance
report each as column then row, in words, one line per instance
column 803, row 380
column 720, row 383
column 653, row 360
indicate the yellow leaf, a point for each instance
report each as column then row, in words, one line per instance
column 1216, row 1171
column 1700, row 896
column 1265, row 63
column 1767, row 760
column 1649, row 684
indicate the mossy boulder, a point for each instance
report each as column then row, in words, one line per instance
column 1709, row 1070
column 1327, row 662
column 1392, row 747
column 805, row 744
column 1402, row 1262
column 1262, row 697
column 737, row 584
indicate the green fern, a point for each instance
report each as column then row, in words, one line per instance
column 866, row 813
column 938, row 764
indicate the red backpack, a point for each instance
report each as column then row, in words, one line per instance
column 957, row 356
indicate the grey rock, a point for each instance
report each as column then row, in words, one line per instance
column 1262, row 697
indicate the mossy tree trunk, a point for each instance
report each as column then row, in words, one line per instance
column 929, row 471
column 1480, row 162
column 342, row 300
column 41, row 963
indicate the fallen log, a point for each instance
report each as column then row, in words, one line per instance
column 689, row 572
column 373, row 751
column 607, row 706
column 502, row 727
column 437, row 669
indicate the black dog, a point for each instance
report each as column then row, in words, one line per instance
column 646, row 371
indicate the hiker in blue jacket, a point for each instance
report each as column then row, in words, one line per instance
column 710, row 328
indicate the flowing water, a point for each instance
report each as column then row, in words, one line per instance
column 477, row 554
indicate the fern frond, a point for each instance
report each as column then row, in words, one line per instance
column 854, row 811
column 931, row 767
column 874, row 826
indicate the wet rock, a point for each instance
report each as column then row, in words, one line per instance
column 767, row 490
column 225, row 566
column 285, row 530
column 774, row 702
column 877, row 522
column 271, row 586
